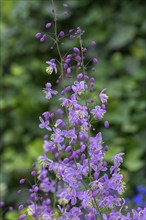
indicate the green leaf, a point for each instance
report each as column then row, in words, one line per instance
column 122, row 36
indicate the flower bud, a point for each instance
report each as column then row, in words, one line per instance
column 61, row 34
column 33, row 173
column 11, row 208
column 38, row 35
column 48, row 25
column 106, row 148
column 19, row 191
column 95, row 60
column 80, row 75
column 106, row 124
column 68, row 149
column 76, row 50
column 68, row 70
column 23, row 216
column 72, row 37
column 65, row 13
column 93, row 43
column 20, row 207
column 22, row 181
column 65, row 5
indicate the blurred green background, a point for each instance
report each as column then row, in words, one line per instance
column 118, row 27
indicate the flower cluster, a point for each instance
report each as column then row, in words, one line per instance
column 74, row 180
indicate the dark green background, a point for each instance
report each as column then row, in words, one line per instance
column 118, row 27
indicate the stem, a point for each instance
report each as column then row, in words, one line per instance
column 56, row 38
column 83, row 66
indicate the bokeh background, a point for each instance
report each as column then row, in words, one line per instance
column 119, row 29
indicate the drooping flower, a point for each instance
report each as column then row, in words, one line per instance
column 103, row 97
column 51, row 67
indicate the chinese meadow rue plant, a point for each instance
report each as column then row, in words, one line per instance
column 73, row 180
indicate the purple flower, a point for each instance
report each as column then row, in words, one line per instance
column 59, row 123
column 71, row 176
column 117, row 161
column 71, row 134
column 98, row 112
column 72, row 196
column 79, row 116
column 48, row 115
column 83, row 135
column 48, row 91
column 57, row 137
column 47, row 186
column 44, row 124
column 52, row 66
column 95, row 142
column 86, row 198
column 79, row 87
